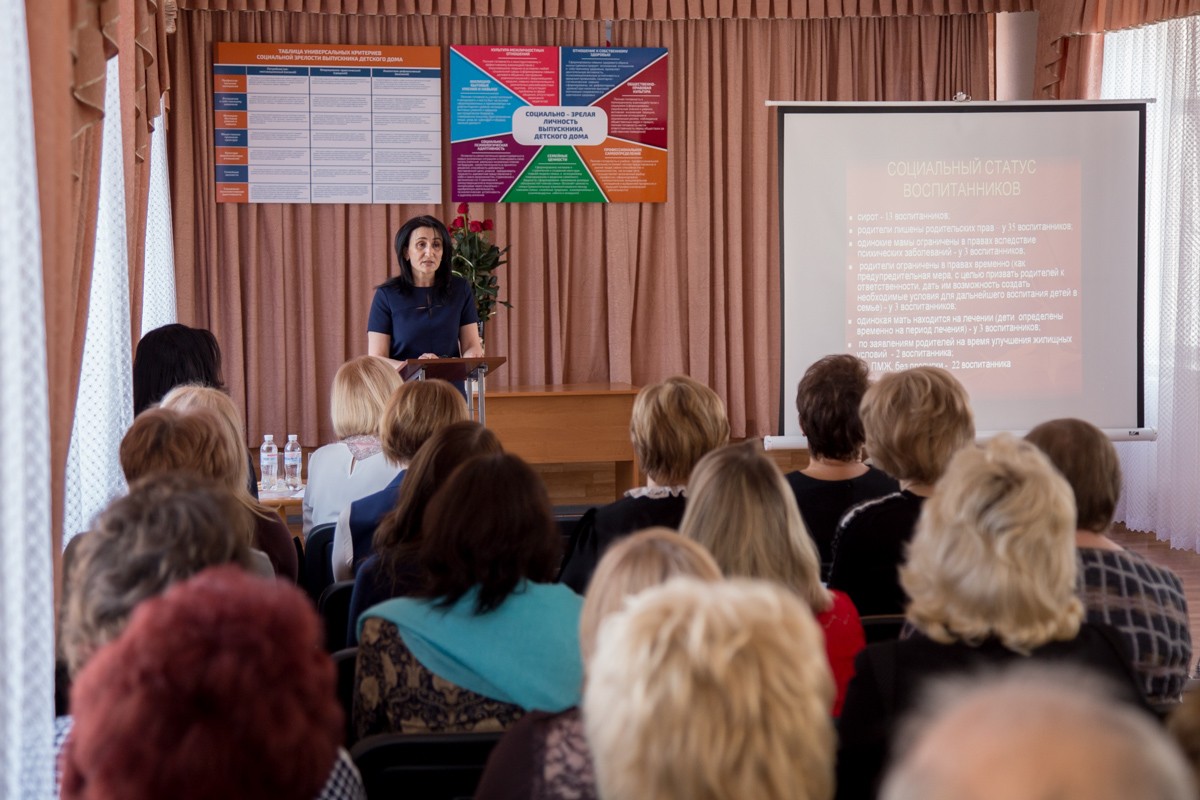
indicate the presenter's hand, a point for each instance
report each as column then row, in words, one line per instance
column 429, row 355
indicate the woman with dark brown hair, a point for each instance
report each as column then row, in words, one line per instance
column 394, row 569
column 488, row 636
column 836, row 477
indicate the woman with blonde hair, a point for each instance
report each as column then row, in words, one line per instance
column 991, row 577
column 545, row 756
column 270, row 534
column 714, row 691
column 674, row 423
column 354, row 466
column 741, row 510
column 914, row 422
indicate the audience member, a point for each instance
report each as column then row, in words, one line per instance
column 354, row 466
column 991, row 577
column 162, row 441
column 741, row 509
column 170, row 356
column 271, row 534
column 393, row 570
column 1144, row 601
column 489, row 636
column 169, row 527
column 217, row 688
column 545, row 756
column 176, row 355
column 674, row 423
column 714, row 691
column 416, row 410
column 836, row 477
column 914, row 422
column 1035, row 732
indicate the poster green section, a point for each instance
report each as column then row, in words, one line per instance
column 556, row 171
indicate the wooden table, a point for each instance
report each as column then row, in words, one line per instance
column 284, row 504
column 567, row 424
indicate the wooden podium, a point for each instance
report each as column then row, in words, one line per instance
column 456, row 370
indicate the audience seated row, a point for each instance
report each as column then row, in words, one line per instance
column 990, row 578
column 545, row 755
column 394, row 570
column 488, row 635
column 415, row 411
column 217, row 690
column 717, row 663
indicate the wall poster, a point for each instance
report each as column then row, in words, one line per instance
column 301, row 123
column 558, row 124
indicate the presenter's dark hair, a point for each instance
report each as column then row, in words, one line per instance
column 490, row 526
column 827, row 401
column 171, row 356
column 403, row 282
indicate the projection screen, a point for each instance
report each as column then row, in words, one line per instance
column 1001, row 241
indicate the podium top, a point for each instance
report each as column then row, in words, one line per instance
column 451, row 369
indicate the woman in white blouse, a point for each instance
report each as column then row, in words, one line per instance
column 354, row 466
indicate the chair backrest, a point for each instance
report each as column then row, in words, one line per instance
column 439, row 766
column 343, row 662
column 882, row 627
column 334, row 608
column 299, row 545
column 317, row 572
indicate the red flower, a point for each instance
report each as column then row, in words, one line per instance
column 475, row 226
column 487, row 225
column 462, row 208
column 458, row 223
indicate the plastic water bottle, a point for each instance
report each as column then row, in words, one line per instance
column 268, row 461
column 291, row 462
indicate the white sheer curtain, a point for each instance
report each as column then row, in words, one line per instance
column 26, row 594
column 158, row 282
column 104, row 407
column 1162, row 479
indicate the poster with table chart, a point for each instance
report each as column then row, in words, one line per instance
column 297, row 123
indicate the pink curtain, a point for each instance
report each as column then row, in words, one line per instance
column 1070, row 53
column 624, row 293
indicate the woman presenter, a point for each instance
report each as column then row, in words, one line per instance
column 425, row 311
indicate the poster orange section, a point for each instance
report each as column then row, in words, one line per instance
column 230, row 119
column 229, row 83
column 627, row 172
column 326, row 55
column 233, row 193
column 231, row 155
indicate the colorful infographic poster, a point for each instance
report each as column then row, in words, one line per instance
column 558, row 124
column 299, row 123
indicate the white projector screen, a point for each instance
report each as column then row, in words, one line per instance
column 1001, row 241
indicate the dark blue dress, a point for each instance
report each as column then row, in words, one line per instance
column 417, row 325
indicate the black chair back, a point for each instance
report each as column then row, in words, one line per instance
column 334, row 608
column 344, row 661
column 317, row 570
column 882, row 627
column 438, row 766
